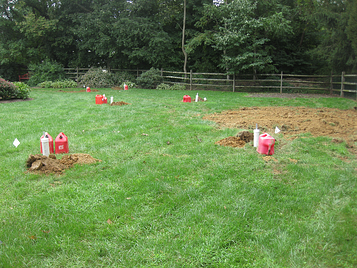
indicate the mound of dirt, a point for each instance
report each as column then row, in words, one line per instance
column 83, row 90
column 120, row 103
column 232, row 142
column 42, row 164
column 238, row 141
column 117, row 88
column 246, row 136
column 292, row 120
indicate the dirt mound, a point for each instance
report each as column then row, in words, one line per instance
column 83, row 90
column 117, row 88
column 42, row 164
column 246, row 136
column 292, row 120
column 238, row 141
column 120, row 103
column 232, row 142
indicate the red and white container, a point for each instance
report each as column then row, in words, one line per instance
column 186, row 98
column 99, row 99
column 50, row 140
column 61, row 144
column 266, row 144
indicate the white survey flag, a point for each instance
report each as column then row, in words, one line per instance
column 16, row 142
column 277, row 130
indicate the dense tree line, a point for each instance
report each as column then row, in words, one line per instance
column 294, row 36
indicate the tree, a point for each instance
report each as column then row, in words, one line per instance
column 244, row 37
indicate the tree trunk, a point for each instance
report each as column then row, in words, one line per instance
column 183, row 36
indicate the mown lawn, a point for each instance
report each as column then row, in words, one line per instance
column 171, row 197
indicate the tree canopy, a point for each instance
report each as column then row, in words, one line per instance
column 237, row 36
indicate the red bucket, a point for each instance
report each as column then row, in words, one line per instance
column 61, row 144
column 186, row 98
column 99, row 99
column 50, row 139
column 266, row 144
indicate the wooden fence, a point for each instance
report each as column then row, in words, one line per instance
column 284, row 83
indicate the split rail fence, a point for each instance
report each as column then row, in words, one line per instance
column 341, row 84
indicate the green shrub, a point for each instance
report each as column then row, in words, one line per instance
column 23, row 90
column 178, row 87
column 163, row 86
column 45, row 84
column 58, row 84
column 45, row 71
column 121, row 78
column 150, row 79
column 97, row 77
column 7, row 90
column 129, row 84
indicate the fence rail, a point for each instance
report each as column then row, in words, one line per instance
column 284, row 83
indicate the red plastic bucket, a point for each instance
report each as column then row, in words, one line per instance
column 186, row 98
column 266, row 144
column 61, row 144
column 99, row 99
column 50, row 139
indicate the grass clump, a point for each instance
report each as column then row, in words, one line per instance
column 164, row 194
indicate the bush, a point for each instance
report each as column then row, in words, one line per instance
column 163, row 86
column 150, row 79
column 97, row 77
column 7, row 90
column 178, row 87
column 45, row 71
column 45, row 84
column 23, row 90
column 129, row 84
column 58, row 84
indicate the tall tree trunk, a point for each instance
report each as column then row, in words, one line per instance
column 183, row 36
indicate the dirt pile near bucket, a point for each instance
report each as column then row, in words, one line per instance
column 292, row 120
column 120, row 103
column 42, row 164
column 239, row 140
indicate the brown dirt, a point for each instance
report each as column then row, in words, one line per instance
column 117, row 88
column 120, row 103
column 339, row 124
column 78, row 91
column 42, row 164
column 14, row 100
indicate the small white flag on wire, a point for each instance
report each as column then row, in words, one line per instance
column 277, row 130
column 16, row 142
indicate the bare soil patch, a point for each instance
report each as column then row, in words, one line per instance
column 339, row 124
column 291, row 95
column 78, row 91
column 120, row 103
column 42, row 164
column 15, row 100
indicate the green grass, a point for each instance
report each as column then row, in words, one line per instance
column 183, row 204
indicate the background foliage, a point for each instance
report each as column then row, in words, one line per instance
column 305, row 36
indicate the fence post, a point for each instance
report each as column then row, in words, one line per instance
column 234, row 81
column 77, row 76
column 162, row 71
column 342, row 84
column 331, row 83
column 190, row 79
column 281, row 82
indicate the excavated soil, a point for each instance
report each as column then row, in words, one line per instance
column 120, row 103
column 42, row 164
column 338, row 124
column 78, row 91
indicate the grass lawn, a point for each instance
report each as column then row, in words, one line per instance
column 171, row 197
